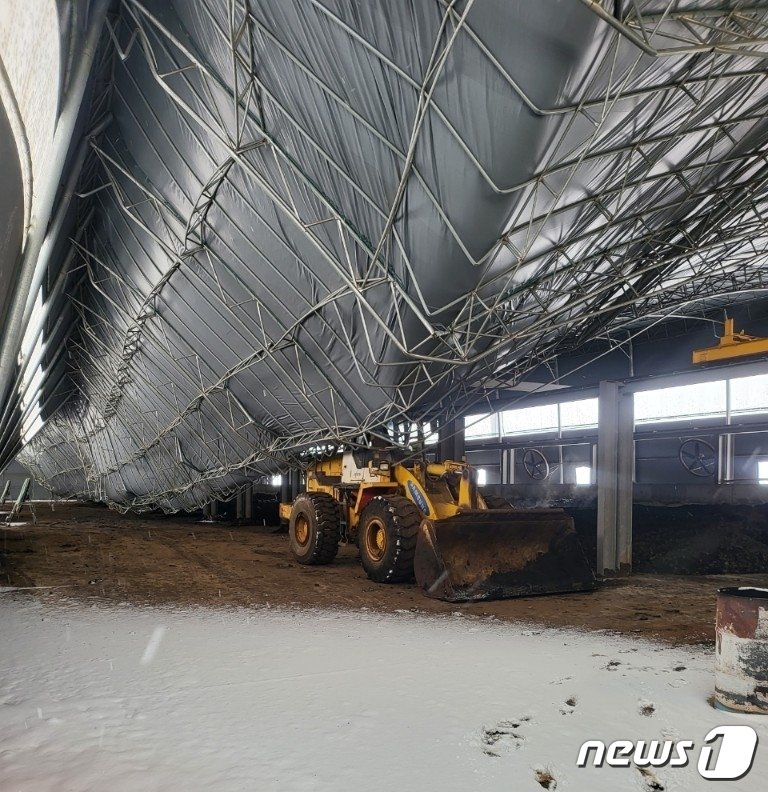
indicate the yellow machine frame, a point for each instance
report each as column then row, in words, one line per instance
column 433, row 525
column 732, row 345
column 424, row 486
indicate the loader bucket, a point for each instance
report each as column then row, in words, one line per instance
column 500, row 554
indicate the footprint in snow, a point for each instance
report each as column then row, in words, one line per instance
column 650, row 780
column 570, row 706
column 504, row 736
column 544, row 776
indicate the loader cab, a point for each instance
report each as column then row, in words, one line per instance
column 370, row 464
column 366, row 465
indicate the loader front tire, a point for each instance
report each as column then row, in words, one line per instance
column 389, row 526
column 314, row 529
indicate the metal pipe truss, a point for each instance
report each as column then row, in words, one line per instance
column 309, row 227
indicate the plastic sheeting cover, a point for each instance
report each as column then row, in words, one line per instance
column 312, row 218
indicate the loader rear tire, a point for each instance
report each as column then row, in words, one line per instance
column 387, row 532
column 314, row 529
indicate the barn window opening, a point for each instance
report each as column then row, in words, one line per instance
column 583, row 476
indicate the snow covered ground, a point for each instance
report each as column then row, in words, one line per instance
column 141, row 699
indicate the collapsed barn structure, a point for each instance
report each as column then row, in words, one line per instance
column 273, row 229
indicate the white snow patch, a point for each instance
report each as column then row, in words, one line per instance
column 257, row 699
column 153, row 645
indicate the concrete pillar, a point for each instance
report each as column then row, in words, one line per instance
column 443, row 450
column 508, row 466
column 450, row 443
column 625, row 476
column 607, row 458
column 244, row 504
column 725, row 459
column 615, row 475
column 725, row 452
column 248, row 498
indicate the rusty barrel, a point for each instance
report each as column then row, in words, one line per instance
column 741, row 659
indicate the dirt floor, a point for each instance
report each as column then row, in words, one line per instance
column 87, row 551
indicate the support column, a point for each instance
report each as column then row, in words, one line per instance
column 625, row 474
column 444, row 442
column 505, row 465
column 615, row 475
column 725, row 459
column 459, row 448
column 725, row 445
column 248, row 497
column 451, row 441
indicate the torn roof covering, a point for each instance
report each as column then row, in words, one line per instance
column 307, row 220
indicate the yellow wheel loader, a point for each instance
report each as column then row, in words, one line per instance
column 430, row 521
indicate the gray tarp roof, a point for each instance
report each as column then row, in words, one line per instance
column 303, row 220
